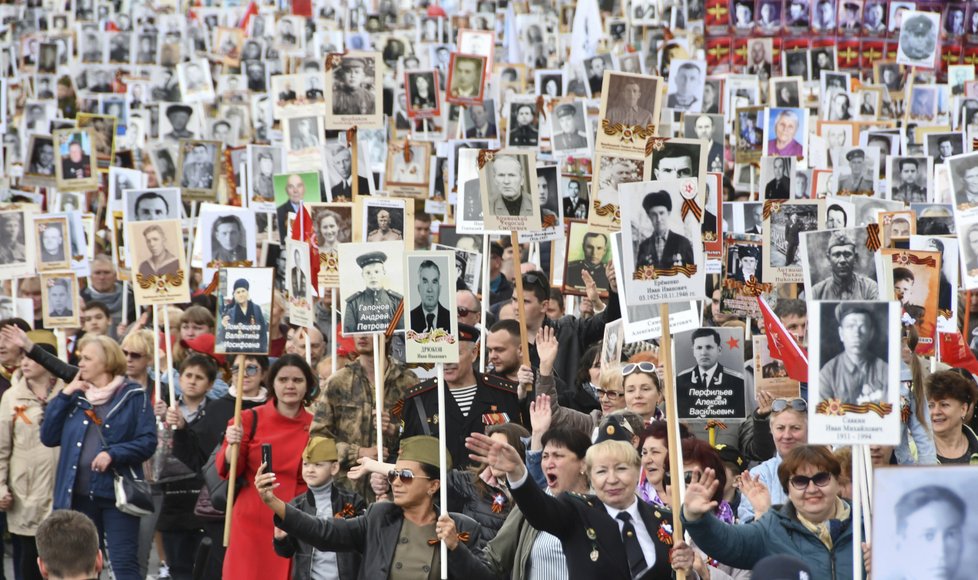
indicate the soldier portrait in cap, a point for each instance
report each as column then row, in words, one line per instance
column 355, row 86
column 964, row 180
column 178, row 117
column 432, row 333
column 264, row 162
column 157, row 254
column 198, row 163
column 372, row 298
column 850, row 16
column 918, row 42
column 510, row 196
column 76, row 166
column 838, row 266
column 712, row 362
column 303, row 138
column 60, row 300
column 243, row 310
column 569, row 127
column 857, row 175
column 384, row 220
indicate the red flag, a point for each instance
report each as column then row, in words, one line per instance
column 955, row 352
column 783, row 346
column 252, row 10
column 302, row 230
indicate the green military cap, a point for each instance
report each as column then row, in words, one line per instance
column 423, row 449
column 371, row 258
column 320, row 449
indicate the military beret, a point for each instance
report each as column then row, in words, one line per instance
column 918, row 25
column 732, row 457
column 655, row 199
column 371, row 258
column 840, row 239
column 423, row 449
column 179, row 109
column 855, row 153
column 320, row 449
column 468, row 333
column 241, row 283
column 566, row 111
column 846, row 308
column 352, row 63
column 614, row 428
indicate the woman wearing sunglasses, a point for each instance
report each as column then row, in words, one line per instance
column 950, row 397
column 397, row 539
column 815, row 525
column 789, row 428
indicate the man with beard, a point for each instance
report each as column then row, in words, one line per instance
column 473, row 401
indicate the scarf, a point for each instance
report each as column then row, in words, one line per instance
column 261, row 397
column 102, row 395
column 829, row 529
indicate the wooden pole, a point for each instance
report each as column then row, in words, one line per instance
column 334, row 336
column 672, row 412
column 486, row 290
column 125, row 304
column 518, row 275
column 442, row 461
column 169, row 356
column 379, row 392
column 156, row 352
column 235, row 449
column 190, row 232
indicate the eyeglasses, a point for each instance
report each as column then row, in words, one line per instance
column 820, row 479
column 645, row 367
column 463, row 312
column 405, row 475
column 250, row 370
column 133, row 355
column 796, row 404
column 612, row 395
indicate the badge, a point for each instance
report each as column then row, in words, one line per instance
column 590, row 534
column 594, row 555
column 610, row 430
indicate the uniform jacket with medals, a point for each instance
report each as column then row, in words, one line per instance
column 495, row 402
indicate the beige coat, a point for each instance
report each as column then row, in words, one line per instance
column 27, row 467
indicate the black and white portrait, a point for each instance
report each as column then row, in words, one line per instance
column 569, row 128
column 371, row 297
column 796, row 63
column 943, row 146
column 964, row 180
column 60, row 298
column 354, row 86
column 776, row 177
column 679, row 158
column 686, row 78
column 151, row 204
column 480, row 120
column 918, row 42
column 838, row 266
column 199, row 166
column 909, row 179
column 510, row 191
column 384, row 220
column 632, row 100
column 13, row 239
column 710, row 359
column 53, row 251
column 524, row 124
column 263, row 163
column 423, row 97
column 786, row 227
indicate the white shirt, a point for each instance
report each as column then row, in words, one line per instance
column 708, row 375
column 644, row 538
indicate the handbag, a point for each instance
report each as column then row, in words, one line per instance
column 215, row 485
column 165, row 465
column 132, row 496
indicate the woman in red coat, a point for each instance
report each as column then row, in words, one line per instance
column 284, row 423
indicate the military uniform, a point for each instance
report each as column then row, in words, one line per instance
column 392, row 235
column 370, row 310
column 722, row 378
column 569, row 141
column 495, row 402
column 524, row 136
column 345, row 411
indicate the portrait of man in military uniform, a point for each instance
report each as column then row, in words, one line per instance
column 60, row 303
column 707, row 373
column 907, row 178
column 353, row 90
column 840, row 266
column 594, row 251
column 524, row 125
column 569, row 130
column 385, row 224
column 860, row 178
column 370, row 309
column 858, row 374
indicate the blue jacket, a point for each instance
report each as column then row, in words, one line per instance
column 777, row 532
column 129, row 429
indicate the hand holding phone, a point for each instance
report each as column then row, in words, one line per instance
column 266, row 456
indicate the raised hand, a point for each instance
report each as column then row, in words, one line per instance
column 764, row 401
column 14, row 336
column 547, row 347
column 540, row 414
column 756, row 492
column 495, row 454
column 699, row 495
column 609, row 270
column 591, row 288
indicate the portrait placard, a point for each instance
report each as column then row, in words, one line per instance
column 407, row 169
column 551, row 216
column 158, row 261
column 60, row 300
column 947, row 297
column 630, row 108
column 838, row 266
column 51, row 238
column 783, row 228
column 712, row 219
column 910, row 179
column 292, row 191
column 770, row 376
column 75, row 169
column 743, row 278
column 16, row 244
column 610, row 171
column 369, row 301
column 587, row 251
column 919, row 39
column 228, row 237
column 711, row 382
column 508, row 187
column 612, row 343
column 199, row 169
column 749, row 126
column 388, row 220
column 432, row 334
column 333, row 224
column 662, row 240
column 468, row 266
column 158, row 203
column 356, row 85
column 304, row 139
column 39, row 168
column 466, row 79
column 103, row 130
column 264, row 162
column 896, row 226
column 963, row 171
column 854, row 373
column 913, row 278
column 787, row 129
column 298, row 284
column 570, row 129
column 244, row 308
column 423, row 96
column 298, row 95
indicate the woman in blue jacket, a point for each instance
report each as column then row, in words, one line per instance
column 104, row 424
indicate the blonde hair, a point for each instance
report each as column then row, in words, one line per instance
column 610, row 378
column 139, row 341
column 620, row 451
column 115, row 361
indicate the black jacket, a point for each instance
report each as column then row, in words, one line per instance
column 374, row 535
column 442, row 320
column 466, row 497
column 347, row 503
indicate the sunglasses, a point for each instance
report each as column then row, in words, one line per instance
column 250, row 370
column 612, row 395
column 535, row 279
column 820, row 479
column 405, row 475
column 463, row 312
column 645, row 367
column 796, row 404
column 132, row 355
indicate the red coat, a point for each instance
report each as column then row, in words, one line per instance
column 250, row 552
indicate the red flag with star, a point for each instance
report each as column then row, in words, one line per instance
column 955, row 352
column 782, row 345
column 302, row 229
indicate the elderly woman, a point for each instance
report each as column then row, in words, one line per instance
column 393, row 537
column 815, row 525
column 607, row 535
column 789, row 427
column 27, row 467
column 283, row 423
column 104, row 424
column 949, row 398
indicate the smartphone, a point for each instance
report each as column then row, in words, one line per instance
column 266, row 456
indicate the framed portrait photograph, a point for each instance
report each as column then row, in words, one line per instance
column 686, row 80
column 104, row 131
column 60, row 300
column 264, row 162
column 964, row 181
column 468, row 267
column 356, row 88
column 160, row 203
column 466, row 79
column 629, row 103
column 333, row 224
column 913, row 278
column 919, row 39
column 244, row 309
column 158, row 261
column 370, row 299
column 299, row 287
column 611, row 344
column 796, row 64
column 479, row 121
column 39, row 166
column 910, row 178
column 551, row 221
column 679, row 158
column 838, row 266
column 610, row 171
column 786, row 92
column 53, row 243
column 388, row 220
column 749, row 124
column 770, row 375
column 292, row 190
column 711, row 360
column 199, row 169
column 783, row 229
column 858, row 171
column 509, row 190
column 194, row 77
column 407, row 170
column 776, row 181
column 943, row 146
column 589, row 252
column 897, row 226
column 430, row 307
column 228, row 238
column 16, row 244
column 524, row 124
column 76, row 167
column 786, row 131
column 570, row 129
column 742, row 274
column 854, row 369
column 423, row 96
